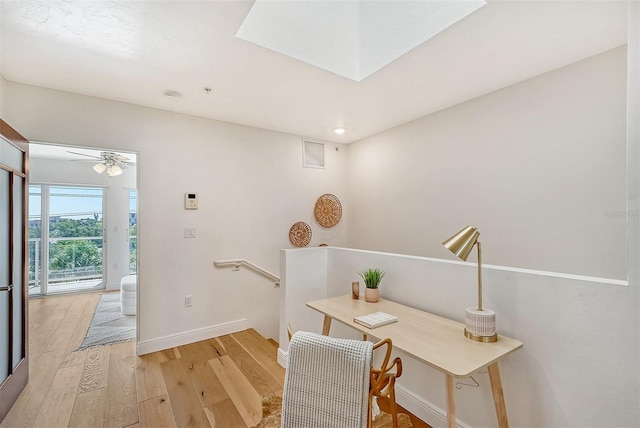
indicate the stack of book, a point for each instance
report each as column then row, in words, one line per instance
column 376, row 319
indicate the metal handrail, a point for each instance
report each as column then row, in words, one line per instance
column 236, row 263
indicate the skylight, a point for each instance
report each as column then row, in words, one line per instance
column 351, row 38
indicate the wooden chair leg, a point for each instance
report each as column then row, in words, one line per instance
column 394, row 409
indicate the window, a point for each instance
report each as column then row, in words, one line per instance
column 133, row 231
column 68, row 256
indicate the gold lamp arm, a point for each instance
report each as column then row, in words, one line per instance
column 479, row 276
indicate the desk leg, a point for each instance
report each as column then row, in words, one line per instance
column 498, row 395
column 451, row 402
column 326, row 325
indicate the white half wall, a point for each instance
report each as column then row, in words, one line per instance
column 251, row 188
column 538, row 167
column 303, row 277
column 580, row 362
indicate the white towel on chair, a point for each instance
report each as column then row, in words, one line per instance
column 326, row 382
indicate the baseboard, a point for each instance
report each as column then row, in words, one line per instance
column 112, row 286
column 283, row 357
column 166, row 342
column 423, row 409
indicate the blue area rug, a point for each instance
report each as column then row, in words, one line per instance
column 109, row 325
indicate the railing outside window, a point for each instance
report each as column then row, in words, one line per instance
column 133, row 231
column 70, row 260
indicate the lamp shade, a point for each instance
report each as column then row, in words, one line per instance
column 114, row 170
column 462, row 242
column 99, row 168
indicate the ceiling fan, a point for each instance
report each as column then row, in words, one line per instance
column 112, row 162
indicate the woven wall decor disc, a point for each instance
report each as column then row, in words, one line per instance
column 328, row 210
column 300, row 234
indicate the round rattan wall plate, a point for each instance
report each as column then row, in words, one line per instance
column 300, row 234
column 328, row 210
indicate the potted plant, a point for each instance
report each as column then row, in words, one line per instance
column 372, row 278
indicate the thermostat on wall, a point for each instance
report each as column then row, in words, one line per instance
column 190, row 201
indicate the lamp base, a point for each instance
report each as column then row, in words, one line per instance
column 484, row 339
column 481, row 325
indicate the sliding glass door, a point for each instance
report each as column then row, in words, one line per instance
column 65, row 239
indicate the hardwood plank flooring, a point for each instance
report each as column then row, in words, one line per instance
column 260, row 379
column 185, row 400
column 122, row 405
column 241, row 391
column 25, row 410
column 149, row 379
column 213, row 383
column 89, row 409
column 156, row 412
column 95, row 371
column 58, row 404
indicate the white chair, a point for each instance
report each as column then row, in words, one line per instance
column 128, row 286
column 326, row 383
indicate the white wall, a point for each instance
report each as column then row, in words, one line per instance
column 2, row 85
column 580, row 362
column 633, row 147
column 538, row 167
column 251, row 188
column 116, row 206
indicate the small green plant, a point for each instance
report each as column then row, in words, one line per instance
column 372, row 277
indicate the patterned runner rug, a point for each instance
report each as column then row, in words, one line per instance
column 109, row 325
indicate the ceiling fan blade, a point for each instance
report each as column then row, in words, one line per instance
column 86, row 160
column 121, row 158
column 82, row 154
column 123, row 165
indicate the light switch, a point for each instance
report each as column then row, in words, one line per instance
column 189, row 232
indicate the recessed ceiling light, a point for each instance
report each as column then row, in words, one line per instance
column 340, row 131
column 173, row 94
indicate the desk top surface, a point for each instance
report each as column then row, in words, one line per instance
column 434, row 340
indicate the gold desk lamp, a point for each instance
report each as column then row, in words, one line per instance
column 480, row 322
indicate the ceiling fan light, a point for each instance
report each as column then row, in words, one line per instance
column 114, row 170
column 99, row 168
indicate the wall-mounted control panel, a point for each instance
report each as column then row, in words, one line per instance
column 190, row 201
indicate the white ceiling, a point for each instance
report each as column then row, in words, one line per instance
column 133, row 51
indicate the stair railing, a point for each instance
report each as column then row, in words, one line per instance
column 236, row 263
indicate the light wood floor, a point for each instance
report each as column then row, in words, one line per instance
column 217, row 382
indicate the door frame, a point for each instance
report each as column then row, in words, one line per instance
column 12, row 386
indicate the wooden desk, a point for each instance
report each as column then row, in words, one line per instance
column 436, row 341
